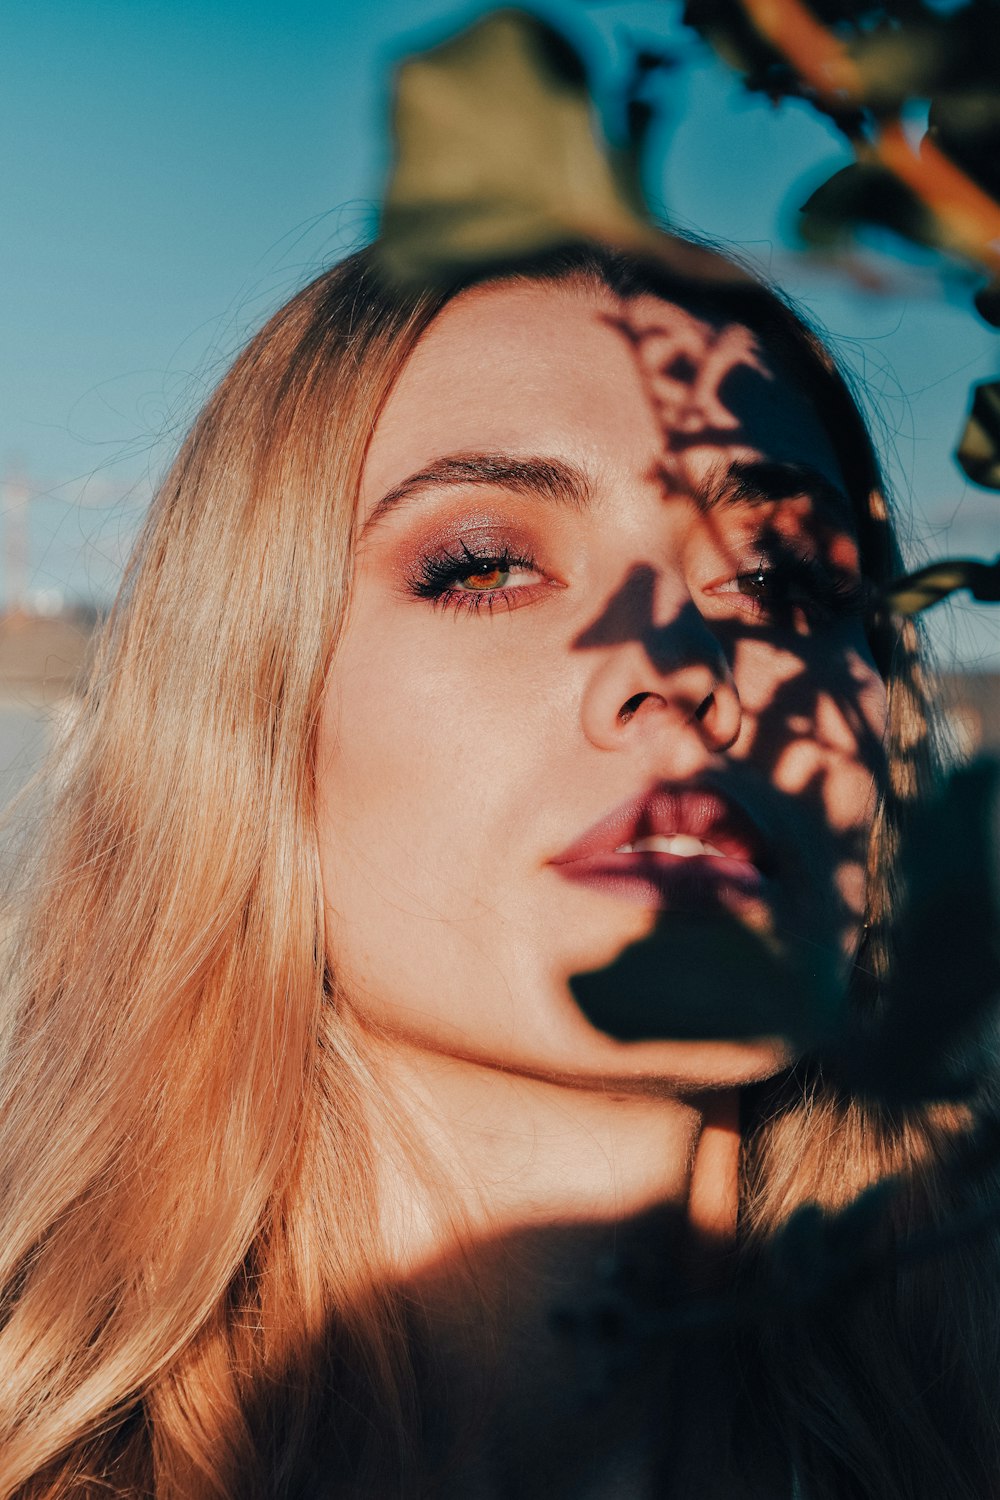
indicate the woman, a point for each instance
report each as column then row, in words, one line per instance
column 475, row 641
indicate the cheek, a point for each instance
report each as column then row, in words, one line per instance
column 815, row 723
column 424, row 771
column 816, row 727
column 395, row 781
column 428, row 777
column 388, row 734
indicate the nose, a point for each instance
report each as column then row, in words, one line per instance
column 654, row 680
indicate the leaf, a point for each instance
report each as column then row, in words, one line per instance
column 945, row 979
column 728, row 29
column 896, row 63
column 987, row 301
column 916, row 591
column 979, row 449
column 965, row 123
column 864, row 193
column 498, row 157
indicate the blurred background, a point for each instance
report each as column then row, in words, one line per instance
column 172, row 170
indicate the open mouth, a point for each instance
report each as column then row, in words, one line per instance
column 672, row 846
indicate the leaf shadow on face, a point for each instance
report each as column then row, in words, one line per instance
column 910, row 1026
column 707, row 973
column 650, row 1363
column 703, row 972
column 653, row 1361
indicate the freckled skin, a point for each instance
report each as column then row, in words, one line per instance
column 461, row 751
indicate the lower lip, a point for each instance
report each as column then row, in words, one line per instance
column 662, row 881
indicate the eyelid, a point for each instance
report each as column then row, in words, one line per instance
column 829, row 547
column 436, row 575
column 484, row 521
column 802, row 519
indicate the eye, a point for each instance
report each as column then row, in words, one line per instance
column 471, row 580
column 489, row 576
column 793, row 591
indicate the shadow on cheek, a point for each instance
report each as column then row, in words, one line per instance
column 707, row 976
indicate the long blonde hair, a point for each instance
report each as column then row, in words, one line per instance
column 187, row 1189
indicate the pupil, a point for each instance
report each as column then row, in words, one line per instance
column 753, row 583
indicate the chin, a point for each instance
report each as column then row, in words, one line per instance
column 584, row 1056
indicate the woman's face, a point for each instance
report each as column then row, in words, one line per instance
column 604, row 678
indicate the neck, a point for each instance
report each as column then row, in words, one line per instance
column 552, row 1208
column 512, row 1152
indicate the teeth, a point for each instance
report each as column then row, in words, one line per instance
column 684, row 844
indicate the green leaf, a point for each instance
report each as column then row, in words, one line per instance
column 979, row 450
column 499, row 157
column 896, row 64
column 728, row 29
column 916, row 591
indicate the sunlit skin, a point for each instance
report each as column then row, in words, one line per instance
column 619, row 644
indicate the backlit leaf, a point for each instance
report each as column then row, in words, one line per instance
column 499, row 156
column 898, row 63
column 979, row 450
column 919, row 590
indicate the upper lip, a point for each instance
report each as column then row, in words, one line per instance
column 703, row 812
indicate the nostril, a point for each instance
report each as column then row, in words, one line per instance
column 631, row 706
column 703, row 707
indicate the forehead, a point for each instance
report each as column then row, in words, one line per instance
column 626, row 388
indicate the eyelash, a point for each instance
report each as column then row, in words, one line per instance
column 802, row 582
column 790, row 581
column 438, row 574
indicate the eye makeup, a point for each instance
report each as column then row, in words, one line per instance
column 462, row 577
column 785, row 567
column 792, row 590
column 477, row 559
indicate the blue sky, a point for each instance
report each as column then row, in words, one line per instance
column 172, row 170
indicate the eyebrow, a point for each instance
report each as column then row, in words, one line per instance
column 742, row 482
column 550, row 479
column 763, row 481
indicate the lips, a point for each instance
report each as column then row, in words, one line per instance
column 672, row 843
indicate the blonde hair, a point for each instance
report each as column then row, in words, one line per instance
column 188, row 1268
